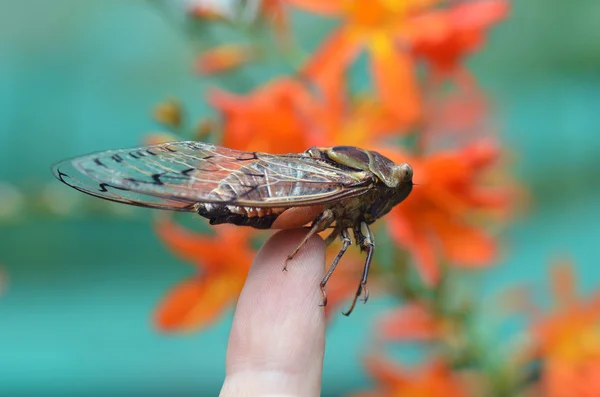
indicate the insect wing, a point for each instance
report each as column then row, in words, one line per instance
column 178, row 175
column 72, row 173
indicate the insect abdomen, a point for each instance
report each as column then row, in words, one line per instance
column 261, row 218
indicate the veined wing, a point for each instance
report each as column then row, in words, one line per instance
column 178, row 175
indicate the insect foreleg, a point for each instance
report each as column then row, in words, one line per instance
column 345, row 237
column 331, row 237
column 320, row 224
column 364, row 238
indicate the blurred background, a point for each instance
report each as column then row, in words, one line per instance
column 80, row 279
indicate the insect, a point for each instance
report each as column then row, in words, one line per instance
column 339, row 188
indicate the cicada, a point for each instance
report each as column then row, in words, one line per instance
column 342, row 189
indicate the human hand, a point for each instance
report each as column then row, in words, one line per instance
column 277, row 339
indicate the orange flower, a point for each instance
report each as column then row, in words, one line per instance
column 273, row 10
column 457, row 117
column 275, row 118
column 412, row 322
column 363, row 122
column 432, row 379
column 224, row 58
column 223, row 261
column 433, row 222
column 445, row 37
column 569, row 340
column 287, row 116
column 377, row 26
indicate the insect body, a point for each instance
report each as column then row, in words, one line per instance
column 340, row 188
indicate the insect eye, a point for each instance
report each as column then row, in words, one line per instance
column 314, row 152
column 406, row 172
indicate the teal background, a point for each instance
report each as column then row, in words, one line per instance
column 77, row 76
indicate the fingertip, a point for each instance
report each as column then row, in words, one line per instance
column 278, row 334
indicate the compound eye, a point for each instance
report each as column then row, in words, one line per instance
column 406, row 172
column 314, row 152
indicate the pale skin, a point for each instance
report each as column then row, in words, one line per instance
column 277, row 339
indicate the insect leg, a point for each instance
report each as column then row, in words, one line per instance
column 320, row 224
column 345, row 237
column 365, row 240
column 331, row 238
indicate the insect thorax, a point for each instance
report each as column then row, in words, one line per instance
column 390, row 173
column 370, row 206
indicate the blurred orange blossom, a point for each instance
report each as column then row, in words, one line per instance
column 287, row 116
column 275, row 118
column 433, row 222
column 411, row 322
column 222, row 262
column 224, row 58
column 444, row 37
column 273, row 10
column 362, row 122
column 377, row 26
column 569, row 340
column 434, row 378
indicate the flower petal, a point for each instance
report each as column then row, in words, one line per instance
column 385, row 372
column 393, row 74
column 275, row 118
column 330, row 60
column 187, row 245
column 478, row 15
column 409, row 323
column 409, row 235
column 224, row 58
column 465, row 245
column 197, row 302
column 212, row 253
